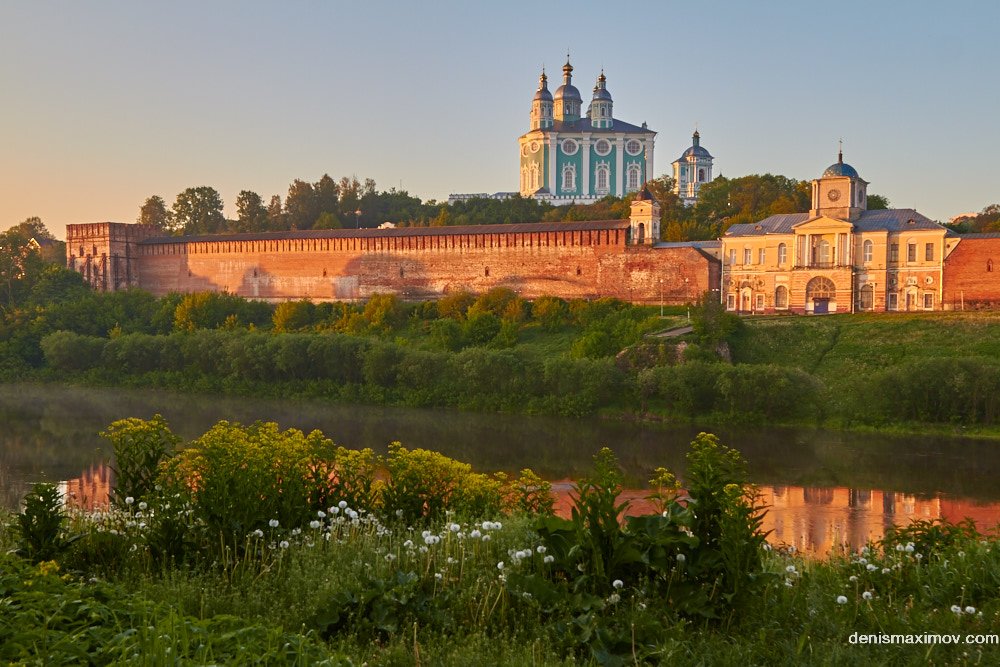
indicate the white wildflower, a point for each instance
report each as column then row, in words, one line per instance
column 342, row 504
column 548, row 559
column 314, row 524
column 540, row 549
column 955, row 608
column 129, row 500
column 681, row 558
column 617, row 583
column 970, row 610
column 273, row 523
column 475, row 534
column 867, row 595
column 500, row 565
column 143, row 506
column 841, row 599
column 283, row 544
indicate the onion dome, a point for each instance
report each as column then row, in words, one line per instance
column 568, row 91
column 600, row 90
column 543, row 94
column 696, row 149
column 840, row 168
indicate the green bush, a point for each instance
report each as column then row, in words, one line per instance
column 139, row 446
column 67, row 351
column 42, row 523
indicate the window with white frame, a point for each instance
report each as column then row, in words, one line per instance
column 911, row 252
column 634, row 174
column 569, row 178
column 747, row 255
column 761, row 256
column 731, row 302
column 929, row 301
column 929, row 252
column 602, row 177
column 760, row 302
column 782, row 254
column 732, row 257
column 866, row 251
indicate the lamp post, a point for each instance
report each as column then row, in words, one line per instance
column 661, row 298
column 357, row 219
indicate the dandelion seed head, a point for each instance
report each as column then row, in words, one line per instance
column 841, row 599
column 283, row 544
column 867, row 595
column 273, row 523
column 129, row 500
column 617, row 583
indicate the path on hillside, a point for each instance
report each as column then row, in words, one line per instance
column 672, row 333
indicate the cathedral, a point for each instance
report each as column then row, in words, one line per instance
column 568, row 156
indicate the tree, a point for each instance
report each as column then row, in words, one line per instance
column 154, row 212
column 275, row 214
column 301, row 205
column 20, row 262
column 199, row 211
column 877, row 202
column 251, row 216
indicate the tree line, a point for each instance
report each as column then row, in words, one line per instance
column 348, row 203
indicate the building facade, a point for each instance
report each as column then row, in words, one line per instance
column 692, row 170
column 572, row 155
column 839, row 257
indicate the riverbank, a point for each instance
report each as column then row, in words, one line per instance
column 348, row 585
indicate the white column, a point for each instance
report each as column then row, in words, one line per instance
column 619, row 166
column 650, row 174
column 585, row 164
column 553, row 145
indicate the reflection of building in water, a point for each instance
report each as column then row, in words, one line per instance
column 90, row 490
column 819, row 520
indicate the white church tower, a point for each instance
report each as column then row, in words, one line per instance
column 692, row 169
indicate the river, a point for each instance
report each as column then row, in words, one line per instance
column 823, row 488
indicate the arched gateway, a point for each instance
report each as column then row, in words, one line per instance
column 820, row 291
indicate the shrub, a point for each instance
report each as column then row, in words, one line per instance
column 139, row 447
column 67, row 351
column 294, row 316
column 455, row 305
column 238, row 478
column 41, row 524
column 423, row 484
column 481, row 328
column 551, row 312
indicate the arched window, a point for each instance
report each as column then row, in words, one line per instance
column 634, row 174
column 701, row 175
column 569, row 178
column 524, row 179
column 534, row 177
column 867, row 299
column 642, row 234
column 989, row 264
column 602, row 178
column 782, row 254
column 781, row 297
column 867, row 251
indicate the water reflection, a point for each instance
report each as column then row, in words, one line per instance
column 821, row 485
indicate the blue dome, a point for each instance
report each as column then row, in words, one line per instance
column 544, row 95
column 697, row 151
column 840, row 169
column 568, row 91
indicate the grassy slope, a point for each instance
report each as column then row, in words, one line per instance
column 840, row 349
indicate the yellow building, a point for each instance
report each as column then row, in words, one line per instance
column 837, row 258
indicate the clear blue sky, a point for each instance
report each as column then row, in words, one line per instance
column 107, row 103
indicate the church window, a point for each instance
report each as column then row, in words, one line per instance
column 929, row 252
column 782, row 254
column 569, row 178
column 570, row 147
column 781, row 297
column 524, row 179
column 602, row 178
column 633, row 147
column 701, row 175
column 893, row 252
column 534, row 177
column 866, row 251
column 911, row 252
column 634, row 174
column 602, row 147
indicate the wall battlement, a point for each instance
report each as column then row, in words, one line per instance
column 569, row 259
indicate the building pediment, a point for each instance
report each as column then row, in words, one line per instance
column 823, row 224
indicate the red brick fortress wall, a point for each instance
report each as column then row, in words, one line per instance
column 571, row 260
column 972, row 273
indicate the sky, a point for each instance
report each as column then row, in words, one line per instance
column 106, row 103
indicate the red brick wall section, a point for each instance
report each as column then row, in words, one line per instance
column 415, row 267
column 967, row 281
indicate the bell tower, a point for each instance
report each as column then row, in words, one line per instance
column 839, row 193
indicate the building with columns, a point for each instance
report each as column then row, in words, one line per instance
column 838, row 257
column 691, row 170
column 570, row 155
